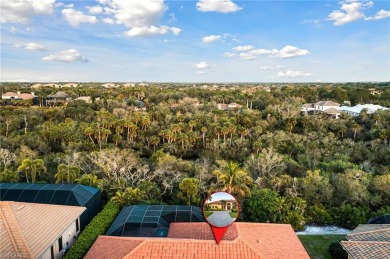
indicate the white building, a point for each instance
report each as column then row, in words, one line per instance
column 355, row 110
column 324, row 105
column 33, row 230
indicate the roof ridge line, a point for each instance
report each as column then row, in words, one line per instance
column 251, row 247
column 370, row 231
column 370, row 242
column 8, row 216
column 135, row 249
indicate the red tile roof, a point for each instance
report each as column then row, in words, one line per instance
column 243, row 240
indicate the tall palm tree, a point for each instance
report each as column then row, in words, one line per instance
column 232, row 179
column 68, row 173
column 32, row 167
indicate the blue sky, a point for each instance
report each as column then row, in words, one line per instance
column 195, row 41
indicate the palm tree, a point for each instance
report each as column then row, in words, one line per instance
column 91, row 180
column 69, row 173
column 232, row 179
column 32, row 168
column 355, row 127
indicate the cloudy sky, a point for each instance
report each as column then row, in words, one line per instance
column 195, row 41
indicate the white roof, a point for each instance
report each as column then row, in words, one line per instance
column 371, row 108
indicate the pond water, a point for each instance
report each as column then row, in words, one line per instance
column 324, row 230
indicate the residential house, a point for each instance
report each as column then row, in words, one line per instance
column 333, row 113
column 18, row 96
column 32, row 230
column 196, row 240
column 58, row 194
column 324, row 105
column 374, row 91
column 356, row 110
column 57, row 98
column 70, row 85
column 86, row 99
column 308, row 107
column 110, row 85
column 228, row 107
column 368, row 241
column 222, row 205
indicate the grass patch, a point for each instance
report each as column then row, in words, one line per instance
column 233, row 214
column 317, row 245
column 208, row 213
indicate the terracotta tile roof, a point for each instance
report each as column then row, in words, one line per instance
column 254, row 240
column 199, row 230
column 332, row 111
column 362, row 249
column 10, row 94
column 30, row 228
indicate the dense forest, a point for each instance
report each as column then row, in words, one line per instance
column 170, row 144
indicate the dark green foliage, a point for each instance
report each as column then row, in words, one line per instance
column 98, row 226
column 336, row 251
column 350, row 217
column 318, row 215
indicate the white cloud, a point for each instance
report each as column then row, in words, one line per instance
column 285, row 52
column 21, row 11
column 97, row 9
column 350, row 10
column 35, row 46
column 74, row 17
column 152, row 30
column 247, row 56
column 229, row 55
column 271, row 67
column 30, row 46
column 382, row 14
column 211, row 38
column 140, row 17
column 108, row 20
column 71, row 55
column 293, row 74
column 289, row 52
column 243, row 48
column 202, row 65
column 201, row 72
column 314, row 22
column 221, row 6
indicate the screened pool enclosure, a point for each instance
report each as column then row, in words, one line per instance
column 152, row 220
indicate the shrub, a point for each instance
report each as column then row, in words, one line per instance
column 98, row 226
column 234, row 210
column 350, row 217
column 318, row 214
column 336, row 251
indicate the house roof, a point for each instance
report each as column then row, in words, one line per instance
column 368, row 241
column 254, row 240
column 24, row 96
column 332, row 111
column 10, row 94
column 359, row 249
column 371, row 232
column 327, row 103
column 29, row 229
column 371, row 108
column 59, row 94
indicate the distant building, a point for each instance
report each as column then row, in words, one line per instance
column 110, row 85
column 333, row 113
column 18, row 96
column 57, row 98
column 228, row 107
column 70, row 85
column 368, row 241
column 31, row 230
column 375, row 91
column 226, row 205
column 86, row 99
column 355, row 110
column 324, row 105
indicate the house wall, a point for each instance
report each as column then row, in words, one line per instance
column 323, row 108
column 69, row 235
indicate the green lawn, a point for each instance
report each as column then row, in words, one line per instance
column 208, row 213
column 317, row 245
column 233, row 214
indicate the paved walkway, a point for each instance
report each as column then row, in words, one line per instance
column 220, row 218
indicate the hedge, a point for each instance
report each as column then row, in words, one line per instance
column 98, row 226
